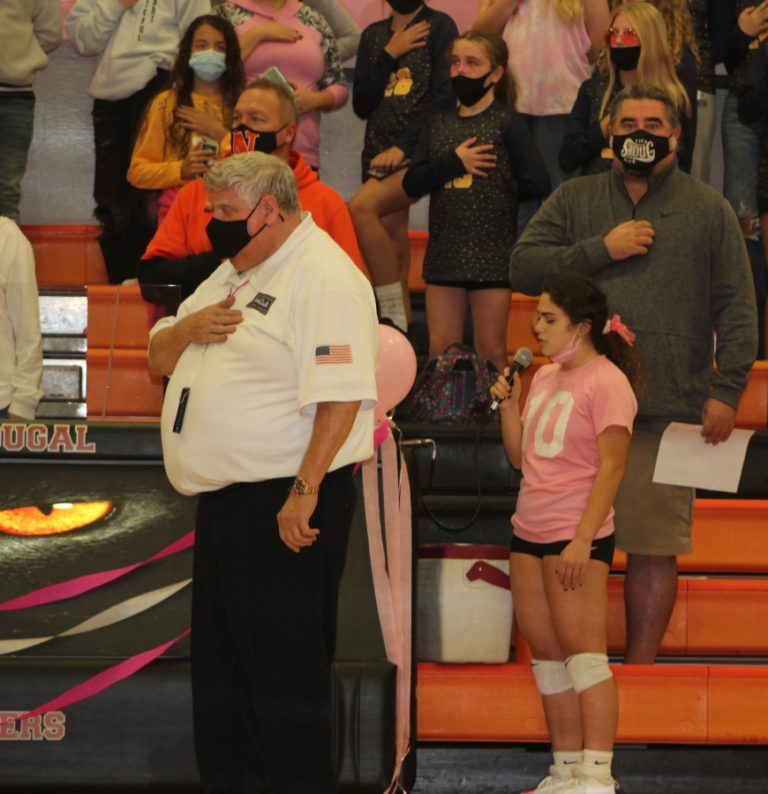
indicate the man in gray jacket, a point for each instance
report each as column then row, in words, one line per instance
column 668, row 252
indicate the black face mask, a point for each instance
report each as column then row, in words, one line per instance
column 470, row 90
column 625, row 58
column 639, row 151
column 228, row 238
column 245, row 139
column 405, row 6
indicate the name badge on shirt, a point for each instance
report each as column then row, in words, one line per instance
column 262, row 302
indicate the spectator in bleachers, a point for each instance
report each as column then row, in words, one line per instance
column 738, row 38
column 753, row 109
column 401, row 79
column 703, row 20
column 185, row 125
column 552, row 44
column 297, row 40
column 21, row 352
column 136, row 43
column 638, row 51
column 476, row 162
column 345, row 29
column 266, row 119
column 668, row 252
column 571, row 443
column 29, row 30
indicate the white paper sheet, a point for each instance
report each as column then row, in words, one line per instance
column 684, row 459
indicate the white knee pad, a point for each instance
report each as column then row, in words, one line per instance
column 551, row 676
column 587, row 669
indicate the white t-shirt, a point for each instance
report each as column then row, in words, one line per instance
column 309, row 335
column 565, row 412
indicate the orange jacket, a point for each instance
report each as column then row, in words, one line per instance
column 182, row 232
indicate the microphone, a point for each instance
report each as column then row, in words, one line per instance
column 522, row 359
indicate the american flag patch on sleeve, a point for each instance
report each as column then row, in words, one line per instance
column 333, row 354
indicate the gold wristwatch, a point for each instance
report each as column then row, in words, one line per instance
column 303, row 488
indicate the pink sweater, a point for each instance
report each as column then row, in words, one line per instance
column 312, row 62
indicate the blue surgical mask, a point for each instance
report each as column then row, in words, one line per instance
column 208, row 65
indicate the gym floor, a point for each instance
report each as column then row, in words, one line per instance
column 506, row 769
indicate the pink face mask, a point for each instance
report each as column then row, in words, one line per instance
column 569, row 351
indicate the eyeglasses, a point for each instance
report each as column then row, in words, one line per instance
column 622, row 38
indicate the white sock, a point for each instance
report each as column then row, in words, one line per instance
column 566, row 763
column 597, row 764
column 390, row 298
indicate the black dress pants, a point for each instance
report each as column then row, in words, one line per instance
column 121, row 209
column 263, row 637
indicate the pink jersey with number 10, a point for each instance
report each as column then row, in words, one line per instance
column 564, row 414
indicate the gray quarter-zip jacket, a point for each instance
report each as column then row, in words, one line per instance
column 694, row 280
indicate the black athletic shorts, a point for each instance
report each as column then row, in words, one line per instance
column 602, row 549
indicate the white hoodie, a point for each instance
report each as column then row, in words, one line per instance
column 132, row 43
column 21, row 352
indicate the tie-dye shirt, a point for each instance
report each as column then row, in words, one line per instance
column 548, row 58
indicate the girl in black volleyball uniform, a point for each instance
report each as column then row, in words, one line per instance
column 476, row 161
column 401, row 78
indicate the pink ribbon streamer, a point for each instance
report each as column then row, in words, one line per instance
column 392, row 581
column 101, row 681
column 82, row 584
column 381, row 432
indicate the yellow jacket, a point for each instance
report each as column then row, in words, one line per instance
column 156, row 162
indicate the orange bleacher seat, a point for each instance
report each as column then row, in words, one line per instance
column 710, row 617
column 119, row 384
column 66, row 256
column 729, row 536
column 663, row 703
column 753, row 407
column 521, row 311
column 118, row 317
column 737, row 701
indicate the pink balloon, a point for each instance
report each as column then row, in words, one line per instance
column 395, row 371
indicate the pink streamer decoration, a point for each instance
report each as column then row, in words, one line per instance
column 101, row 681
column 381, row 432
column 391, row 568
column 82, row 584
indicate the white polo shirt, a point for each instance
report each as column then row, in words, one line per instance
column 309, row 334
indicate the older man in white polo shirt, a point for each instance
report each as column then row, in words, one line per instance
column 272, row 382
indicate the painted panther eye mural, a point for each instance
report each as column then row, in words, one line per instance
column 53, row 519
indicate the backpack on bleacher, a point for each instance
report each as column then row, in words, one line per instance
column 453, row 389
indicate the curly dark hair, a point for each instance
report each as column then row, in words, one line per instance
column 182, row 78
column 583, row 301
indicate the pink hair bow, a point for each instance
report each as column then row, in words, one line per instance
column 616, row 326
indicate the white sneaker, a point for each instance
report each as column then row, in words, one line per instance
column 551, row 784
column 590, row 785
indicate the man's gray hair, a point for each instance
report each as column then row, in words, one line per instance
column 254, row 174
column 646, row 91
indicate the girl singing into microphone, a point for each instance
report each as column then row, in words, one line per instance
column 571, row 442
